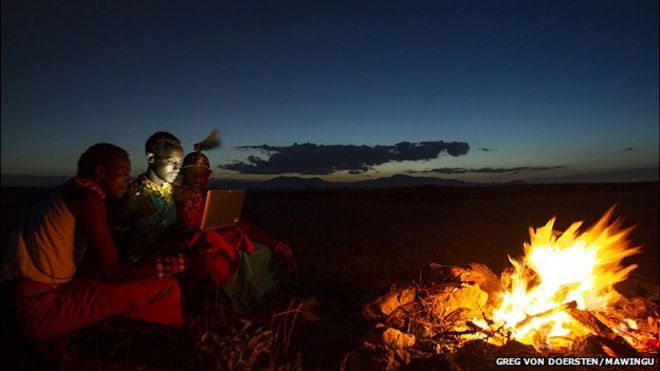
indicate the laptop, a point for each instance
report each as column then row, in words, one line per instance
column 223, row 208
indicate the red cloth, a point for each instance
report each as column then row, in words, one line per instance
column 226, row 242
column 45, row 313
column 227, row 239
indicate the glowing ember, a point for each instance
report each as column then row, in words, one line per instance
column 562, row 269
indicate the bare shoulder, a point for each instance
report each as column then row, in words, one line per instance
column 82, row 201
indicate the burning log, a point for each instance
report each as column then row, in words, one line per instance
column 592, row 322
column 557, row 309
column 612, row 347
column 636, row 320
column 605, row 336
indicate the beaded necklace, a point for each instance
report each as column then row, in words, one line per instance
column 164, row 193
column 89, row 184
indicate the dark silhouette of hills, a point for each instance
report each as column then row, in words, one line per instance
column 516, row 182
column 282, row 182
column 297, row 183
column 400, row 180
column 20, row 180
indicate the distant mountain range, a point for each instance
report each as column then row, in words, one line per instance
column 10, row 180
column 282, row 182
column 644, row 174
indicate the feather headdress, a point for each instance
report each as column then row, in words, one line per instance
column 197, row 158
column 210, row 142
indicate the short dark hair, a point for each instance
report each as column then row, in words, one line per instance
column 161, row 141
column 103, row 154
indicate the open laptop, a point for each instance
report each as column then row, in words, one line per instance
column 223, row 208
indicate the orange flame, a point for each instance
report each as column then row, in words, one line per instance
column 560, row 268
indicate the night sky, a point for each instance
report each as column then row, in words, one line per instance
column 541, row 91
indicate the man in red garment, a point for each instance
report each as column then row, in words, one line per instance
column 43, row 259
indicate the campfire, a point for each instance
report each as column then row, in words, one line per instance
column 557, row 299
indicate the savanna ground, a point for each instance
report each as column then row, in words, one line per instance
column 352, row 245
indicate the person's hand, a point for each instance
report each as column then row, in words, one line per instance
column 195, row 238
column 283, row 250
column 212, row 255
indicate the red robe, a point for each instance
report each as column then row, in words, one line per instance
column 225, row 242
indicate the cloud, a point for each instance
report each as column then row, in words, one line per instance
column 487, row 170
column 628, row 149
column 484, row 149
column 319, row 159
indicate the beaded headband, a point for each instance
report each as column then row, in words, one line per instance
column 196, row 160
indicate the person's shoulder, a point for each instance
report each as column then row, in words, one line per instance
column 79, row 199
column 79, row 194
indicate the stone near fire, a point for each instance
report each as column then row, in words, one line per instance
column 439, row 273
column 484, row 276
column 470, row 299
column 388, row 303
column 421, row 328
column 397, row 339
column 386, row 336
column 475, row 273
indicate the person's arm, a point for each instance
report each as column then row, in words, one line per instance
column 90, row 214
column 278, row 247
column 257, row 234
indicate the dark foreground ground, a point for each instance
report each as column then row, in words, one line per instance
column 353, row 244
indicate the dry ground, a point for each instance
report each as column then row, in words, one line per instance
column 352, row 244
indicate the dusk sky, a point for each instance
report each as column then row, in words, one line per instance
column 474, row 90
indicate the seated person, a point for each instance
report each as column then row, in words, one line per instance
column 147, row 210
column 145, row 219
column 248, row 248
column 43, row 258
